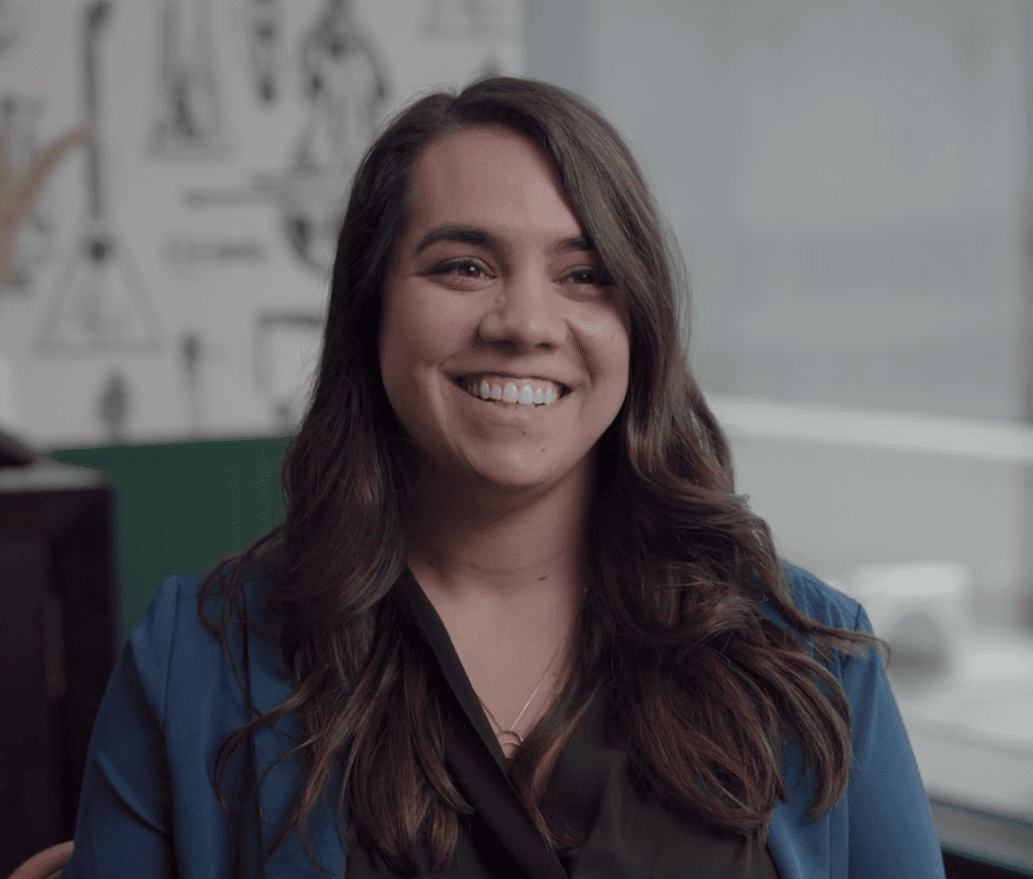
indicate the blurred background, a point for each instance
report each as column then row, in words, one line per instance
column 850, row 185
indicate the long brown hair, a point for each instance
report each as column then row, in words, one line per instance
column 702, row 687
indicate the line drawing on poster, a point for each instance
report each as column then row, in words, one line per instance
column 12, row 23
column 264, row 22
column 19, row 123
column 190, row 123
column 192, row 355
column 285, row 355
column 468, row 20
column 99, row 303
column 346, row 87
column 188, row 254
column 114, row 403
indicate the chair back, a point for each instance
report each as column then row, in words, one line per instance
column 46, row 864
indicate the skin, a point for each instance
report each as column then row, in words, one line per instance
column 501, row 501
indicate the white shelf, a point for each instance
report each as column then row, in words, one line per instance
column 1001, row 441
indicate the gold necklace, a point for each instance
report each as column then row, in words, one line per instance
column 510, row 739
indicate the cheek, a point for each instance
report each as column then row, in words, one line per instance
column 427, row 326
column 618, row 349
column 398, row 354
column 402, row 339
column 418, row 339
column 621, row 364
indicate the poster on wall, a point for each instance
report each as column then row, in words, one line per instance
column 170, row 279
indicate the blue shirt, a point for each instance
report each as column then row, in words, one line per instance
column 148, row 807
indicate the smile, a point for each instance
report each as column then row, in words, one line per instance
column 513, row 395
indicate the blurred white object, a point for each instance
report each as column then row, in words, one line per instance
column 977, row 439
column 924, row 610
column 7, row 405
column 973, row 734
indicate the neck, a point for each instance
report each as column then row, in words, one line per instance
column 474, row 548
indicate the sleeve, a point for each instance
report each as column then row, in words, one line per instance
column 891, row 828
column 123, row 828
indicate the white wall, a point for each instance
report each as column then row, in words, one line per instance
column 846, row 182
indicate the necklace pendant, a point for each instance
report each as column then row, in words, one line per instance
column 509, row 741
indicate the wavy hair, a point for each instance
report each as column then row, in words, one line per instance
column 702, row 686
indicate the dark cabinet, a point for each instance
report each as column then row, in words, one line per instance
column 58, row 643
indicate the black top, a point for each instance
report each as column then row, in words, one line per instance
column 626, row 837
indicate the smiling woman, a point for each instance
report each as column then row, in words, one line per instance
column 516, row 622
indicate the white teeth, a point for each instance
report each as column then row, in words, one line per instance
column 526, row 395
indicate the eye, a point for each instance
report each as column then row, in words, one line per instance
column 589, row 276
column 466, row 268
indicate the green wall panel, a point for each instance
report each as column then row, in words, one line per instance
column 181, row 507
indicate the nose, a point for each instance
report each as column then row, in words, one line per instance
column 526, row 313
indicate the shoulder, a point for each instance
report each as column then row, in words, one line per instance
column 830, row 607
column 173, row 616
column 883, row 825
column 178, row 657
column 821, row 602
column 175, row 609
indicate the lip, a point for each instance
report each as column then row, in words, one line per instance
column 531, row 374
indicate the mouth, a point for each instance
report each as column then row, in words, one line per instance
column 461, row 382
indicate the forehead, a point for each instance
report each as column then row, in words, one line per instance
column 488, row 175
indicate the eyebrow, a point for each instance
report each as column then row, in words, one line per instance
column 481, row 238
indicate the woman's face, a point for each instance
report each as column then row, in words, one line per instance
column 493, row 284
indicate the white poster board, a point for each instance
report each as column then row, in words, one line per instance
column 171, row 282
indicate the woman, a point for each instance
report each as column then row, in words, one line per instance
column 516, row 622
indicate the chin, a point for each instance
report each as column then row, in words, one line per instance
column 511, row 471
